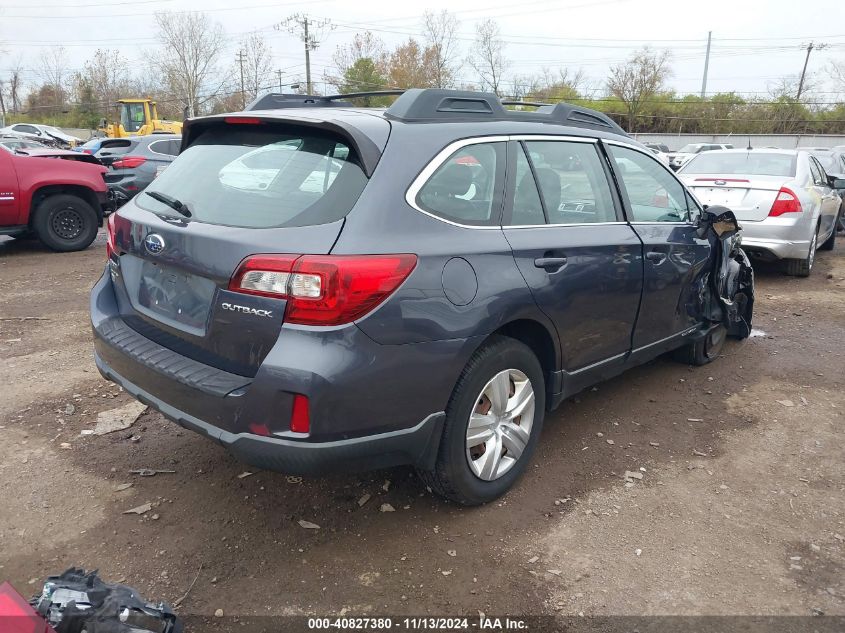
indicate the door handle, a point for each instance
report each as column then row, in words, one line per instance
column 656, row 257
column 550, row 262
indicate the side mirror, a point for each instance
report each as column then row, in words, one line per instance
column 838, row 183
column 720, row 219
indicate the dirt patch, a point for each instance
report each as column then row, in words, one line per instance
column 740, row 508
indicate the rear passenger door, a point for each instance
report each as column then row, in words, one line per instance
column 580, row 259
column 829, row 199
column 676, row 261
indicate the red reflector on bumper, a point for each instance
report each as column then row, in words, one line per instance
column 259, row 429
column 299, row 419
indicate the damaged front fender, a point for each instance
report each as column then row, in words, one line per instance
column 732, row 281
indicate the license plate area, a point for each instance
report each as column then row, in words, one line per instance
column 174, row 296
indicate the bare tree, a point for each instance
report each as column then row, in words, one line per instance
column 15, row 82
column 786, row 87
column 639, row 79
column 836, row 71
column 440, row 31
column 107, row 76
column 191, row 45
column 346, row 57
column 564, row 85
column 257, row 64
column 54, row 72
column 487, row 55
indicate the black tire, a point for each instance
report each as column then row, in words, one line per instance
column 65, row 222
column 703, row 351
column 452, row 476
column 830, row 242
column 803, row 267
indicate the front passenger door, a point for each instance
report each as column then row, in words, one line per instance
column 676, row 261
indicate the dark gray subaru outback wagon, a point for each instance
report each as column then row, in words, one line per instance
column 319, row 287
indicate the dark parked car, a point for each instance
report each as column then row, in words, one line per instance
column 322, row 287
column 135, row 162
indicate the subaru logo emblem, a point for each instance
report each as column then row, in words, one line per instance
column 154, row 243
column 720, row 182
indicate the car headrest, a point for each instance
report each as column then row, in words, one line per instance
column 549, row 181
column 454, row 179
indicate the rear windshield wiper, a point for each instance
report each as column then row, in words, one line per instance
column 173, row 203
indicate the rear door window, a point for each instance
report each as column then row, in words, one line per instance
column 527, row 206
column 164, row 146
column 464, row 188
column 817, row 172
column 262, row 177
column 573, row 183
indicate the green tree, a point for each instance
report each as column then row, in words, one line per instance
column 364, row 76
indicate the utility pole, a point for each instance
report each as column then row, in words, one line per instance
column 241, row 58
column 706, row 65
column 279, row 73
column 311, row 33
column 810, row 48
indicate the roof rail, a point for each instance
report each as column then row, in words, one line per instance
column 280, row 100
column 435, row 104
column 432, row 104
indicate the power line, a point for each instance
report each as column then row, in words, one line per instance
column 311, row 32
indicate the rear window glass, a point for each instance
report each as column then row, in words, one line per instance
column 114, row 148
column 464, row 188
column 262, row 178
column 750, row 163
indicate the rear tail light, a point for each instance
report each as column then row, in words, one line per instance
column 785, row 202
column 110, row 236
column 323, row 289
column 129, row 162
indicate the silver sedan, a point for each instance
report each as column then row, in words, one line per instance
column 786, row 203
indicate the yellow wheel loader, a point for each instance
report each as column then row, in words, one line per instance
column 138, row 117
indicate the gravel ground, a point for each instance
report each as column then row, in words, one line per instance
column 740, row 508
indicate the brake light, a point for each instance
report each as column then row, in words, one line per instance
column 129, row 162
column 323, row 289
column 110, row 242
column 785, row 202
column 300, row 421
column 242, row 120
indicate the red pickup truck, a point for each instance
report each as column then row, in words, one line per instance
column 54, row 195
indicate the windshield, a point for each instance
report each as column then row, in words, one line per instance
column 262, row 178
column 748, row 163
column 690, row 149
column 132, row 116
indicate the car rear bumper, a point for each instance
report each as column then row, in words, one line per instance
column 371, row 405
column 417, row 445
column 777, row 238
